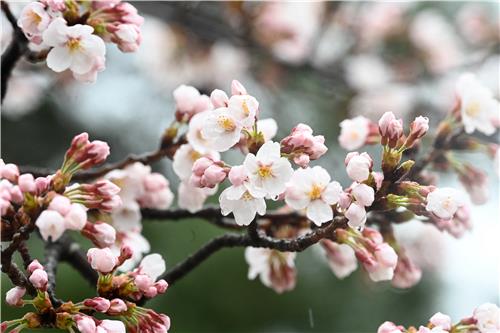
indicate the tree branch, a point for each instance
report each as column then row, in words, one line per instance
column 257, row 240
column 16, row 49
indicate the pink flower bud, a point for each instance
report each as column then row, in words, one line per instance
column 419, row 127
column 390, row 128
column 390, row 327
column 201, row 164
column 356, row 214
column 406, row 274
column 10, row 172
column 14, row 296
column 186, row 98
column 85, row 324
column 213, row 175
column 379, row 178
column 117, row 306
column 105, row 234
column 441, row 320
column 302, row 160
column 301, row 142
column 99, row 151
column 161, row 286
column 35, row 264
column 16, row 195
column 39, row 279
column 219, row 98
column 237, row 175
column 127, row 37
column 111, row 326
column 143, row 282
column 99, row 304
column 345, row 200
column 60, row 204
column 102, row 260
column 56, row 5
column 237, row 88
column 106, row 188
column 151, row 292
column 42, row 184
column 26, row 183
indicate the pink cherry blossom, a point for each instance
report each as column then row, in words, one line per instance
column 34, row 20
column 51, row 224
column 363, row 194
column 112, row 326
column 441, row 320
column 35, row 264
column 26, row 183
column 354, row 132
column 60, row 204
column 356, row 215
column 117, row 306
column 390, row 128
column 237, row 88
column 488, row 318
column 99, row 304
column 219, row 98
column 85, row 324
column 341, row 258
column 444, row 202
column 390, row 327
column 301, row 142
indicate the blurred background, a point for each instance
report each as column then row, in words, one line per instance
column 316, row 63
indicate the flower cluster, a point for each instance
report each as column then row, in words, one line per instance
column 117, row 292
column 139, row 188
column 73, row 33
column 53, row 204
column 485, row 319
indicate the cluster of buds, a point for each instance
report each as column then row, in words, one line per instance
column 16, row 188
column 302, row 147
column 485, row 319
column 134, row 285
column 378, row 258
column 74, row 32
column 102, row 195
column 208, row 173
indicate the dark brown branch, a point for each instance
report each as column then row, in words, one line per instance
column 16, row 49
column 53, row 253
column 257, row 240
column 25, row 255
column 74, row 256
column 9, row 267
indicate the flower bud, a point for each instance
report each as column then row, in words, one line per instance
column 390, row 128
column 358, row 166
column 237, row 175
column 441, row 320
column 418, row 129
column 117, row 306
column 219, row 98
column 39, row 279
column 237, row 88
column 60, row 204
column 14, row 296
column 102, row 260
column 99, row 304
column 356, row 214
column 26, row 183
column 35, row 264
column 85, row 324
column 161, row 286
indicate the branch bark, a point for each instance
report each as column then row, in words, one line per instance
column 17, row 48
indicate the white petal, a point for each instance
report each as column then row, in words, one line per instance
column 59, row 59
column 269, row 152
column 319, row 212
column 153, row 265
column 320, row 175
column 331, row 194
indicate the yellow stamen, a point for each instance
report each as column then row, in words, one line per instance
column 194, row 155
column 472, row 109
column 315, row 192
column 265, row 171
column 247, row 196
column 226, row 123
column 73, row 44
column 246, row 110
column 35, row 17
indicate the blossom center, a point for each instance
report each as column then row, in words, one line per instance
column 194, row 155
column 265, row 171
column 246, row 196
column 315, row 192
column 226, row 123
column 35, row 17
column 447, row 203
column 473, row 109
column 246, row 110
column 73, row 44
column 354, row 135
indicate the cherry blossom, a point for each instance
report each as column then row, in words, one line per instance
column 311, row 189
column 14, row 296
column 444, row 202
column 268, row 170
column 242, row 204
column 358, row 166
column 488, row 318
column 275, row 269
column 74, row 47
column 102, row 260
column 34, row 19
column 354, row 132
column 223, row 128
column 341, row 258
column 478, row 108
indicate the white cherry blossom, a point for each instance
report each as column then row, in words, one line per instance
column 479, row 109
column 444, row 202
column 244, row 107
column 311, row 189
column 243, row 206
column 51, row 224
column 268, row 170
column 185, row 157
column 354, row 132
column 223, row 128
column 73, row 47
